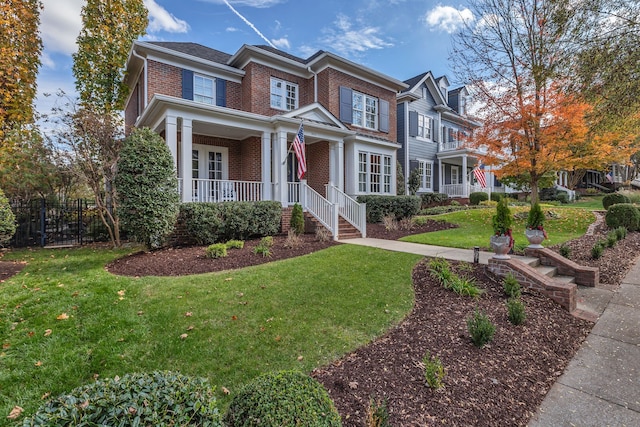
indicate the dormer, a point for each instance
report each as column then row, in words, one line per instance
column 458, row 100
column 443, row 85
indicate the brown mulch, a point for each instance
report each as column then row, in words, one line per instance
column 501, row 384
column 9, row 268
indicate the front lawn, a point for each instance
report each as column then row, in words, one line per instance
column 66, row 321
column 474, row 227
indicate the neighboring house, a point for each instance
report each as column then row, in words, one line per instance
column 432, row 123
column 229, row 121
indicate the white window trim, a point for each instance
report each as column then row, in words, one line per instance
column 382, row 182
column 365, row 97
column 213, row 89
column 283, row 95
column 423, row 187
column 431, row 127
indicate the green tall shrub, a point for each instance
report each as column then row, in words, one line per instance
column 535, row 218
column 297, row 219
column 623, row 215
column 7, row 219
column 147, row 188
column 478, row 196
column 503, row 219
column 613, row 199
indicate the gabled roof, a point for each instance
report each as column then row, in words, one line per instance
column 417, row 81
column 414, row 81
column 197, row 50
column 281, row 53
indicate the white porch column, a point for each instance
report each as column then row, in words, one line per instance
column 171, row 135
column 266, row 166
column 186, row 147
column 281, row 191
column 465, row 180
column 440, row 177
column 336, row 164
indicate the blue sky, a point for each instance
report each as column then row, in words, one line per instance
column 401, row 38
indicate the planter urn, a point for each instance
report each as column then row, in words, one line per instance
column 535, row 238
column 501, row 245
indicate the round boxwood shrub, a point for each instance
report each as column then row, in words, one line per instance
column 614, row 198
column 623, row 215
column 157, row 399
column 285, row 398
column 477, row 197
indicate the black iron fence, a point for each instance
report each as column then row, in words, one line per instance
column 46, row 222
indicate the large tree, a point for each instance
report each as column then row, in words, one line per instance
column 109, row 29
column 510, row 56
column 603, row 57
column 20, row 47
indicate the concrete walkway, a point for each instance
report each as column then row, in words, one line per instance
column 601, row 385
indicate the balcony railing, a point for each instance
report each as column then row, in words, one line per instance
column 451, row 145
column 215, row 190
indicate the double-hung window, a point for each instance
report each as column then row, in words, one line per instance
column 203, row 89
column 365, row 111
column 425, row 126
column 374, row 173
column 426, row 175
column 284, row 95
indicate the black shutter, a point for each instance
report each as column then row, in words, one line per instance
column 187, row 84
column 434, row 131
column 413, row 123
column 346, row 105
column 384, row 116
column 221, row 92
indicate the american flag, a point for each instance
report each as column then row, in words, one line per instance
column 298, row 148
column 610, row 177
column 479, row 174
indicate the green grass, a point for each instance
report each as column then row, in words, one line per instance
column 475, row 228
column 300, row 313
column 588, row 202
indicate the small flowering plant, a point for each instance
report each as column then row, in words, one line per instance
column 535, row 219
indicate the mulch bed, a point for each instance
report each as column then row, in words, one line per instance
column 9, row 268
column 501, row 384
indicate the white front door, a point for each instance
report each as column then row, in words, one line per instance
column 455, row 174
column 209, row 166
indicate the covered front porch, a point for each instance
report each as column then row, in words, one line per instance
column 225, row 155
column 455, row 173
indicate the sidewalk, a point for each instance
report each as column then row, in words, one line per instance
column 601, row 384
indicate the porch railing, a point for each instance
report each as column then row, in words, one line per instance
column 355, row 213
column 451, row 145
column 324, row 211
column 215, row 190
column 293, row 193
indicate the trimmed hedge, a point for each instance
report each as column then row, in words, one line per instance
column 399, row 206
column 476, row 197
column 623, row 215
column 286, row 398
column 157, row 399
column 614, row 198
column 429, row 199
column 209, row 223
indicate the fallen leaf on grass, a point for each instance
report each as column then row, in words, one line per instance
column 225, row 390
column 30, row 334
column 234, row 317
column 46, row 395
column 38, row 363
column 278, row 338
column 300, row 358
column 6, row 345
column 63, row 316
column 184, row 336
column 15, row 413
column 188, row 314
column 190, row 328
column 47, row 332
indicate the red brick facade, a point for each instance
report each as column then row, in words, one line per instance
column 164, row 79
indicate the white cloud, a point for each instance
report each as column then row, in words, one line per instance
column 347, row 40
column 60, row 24
column 447, row 18
column 250, row 3
column 161, row 20
column 282, row 43
column 231, row 29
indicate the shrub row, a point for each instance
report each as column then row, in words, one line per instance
column 398, row 206
column 166, row 399
column 209, row 223
column 477, row 197
column 429, row 199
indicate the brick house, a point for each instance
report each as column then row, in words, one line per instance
column 229, row 121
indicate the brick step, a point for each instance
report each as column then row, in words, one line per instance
column 345, row 229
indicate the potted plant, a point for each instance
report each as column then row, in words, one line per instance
column 502, row 240
column 535, row 227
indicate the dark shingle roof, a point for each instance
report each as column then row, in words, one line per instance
column 282, row 53
column 197, row 50
column 414, row 80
